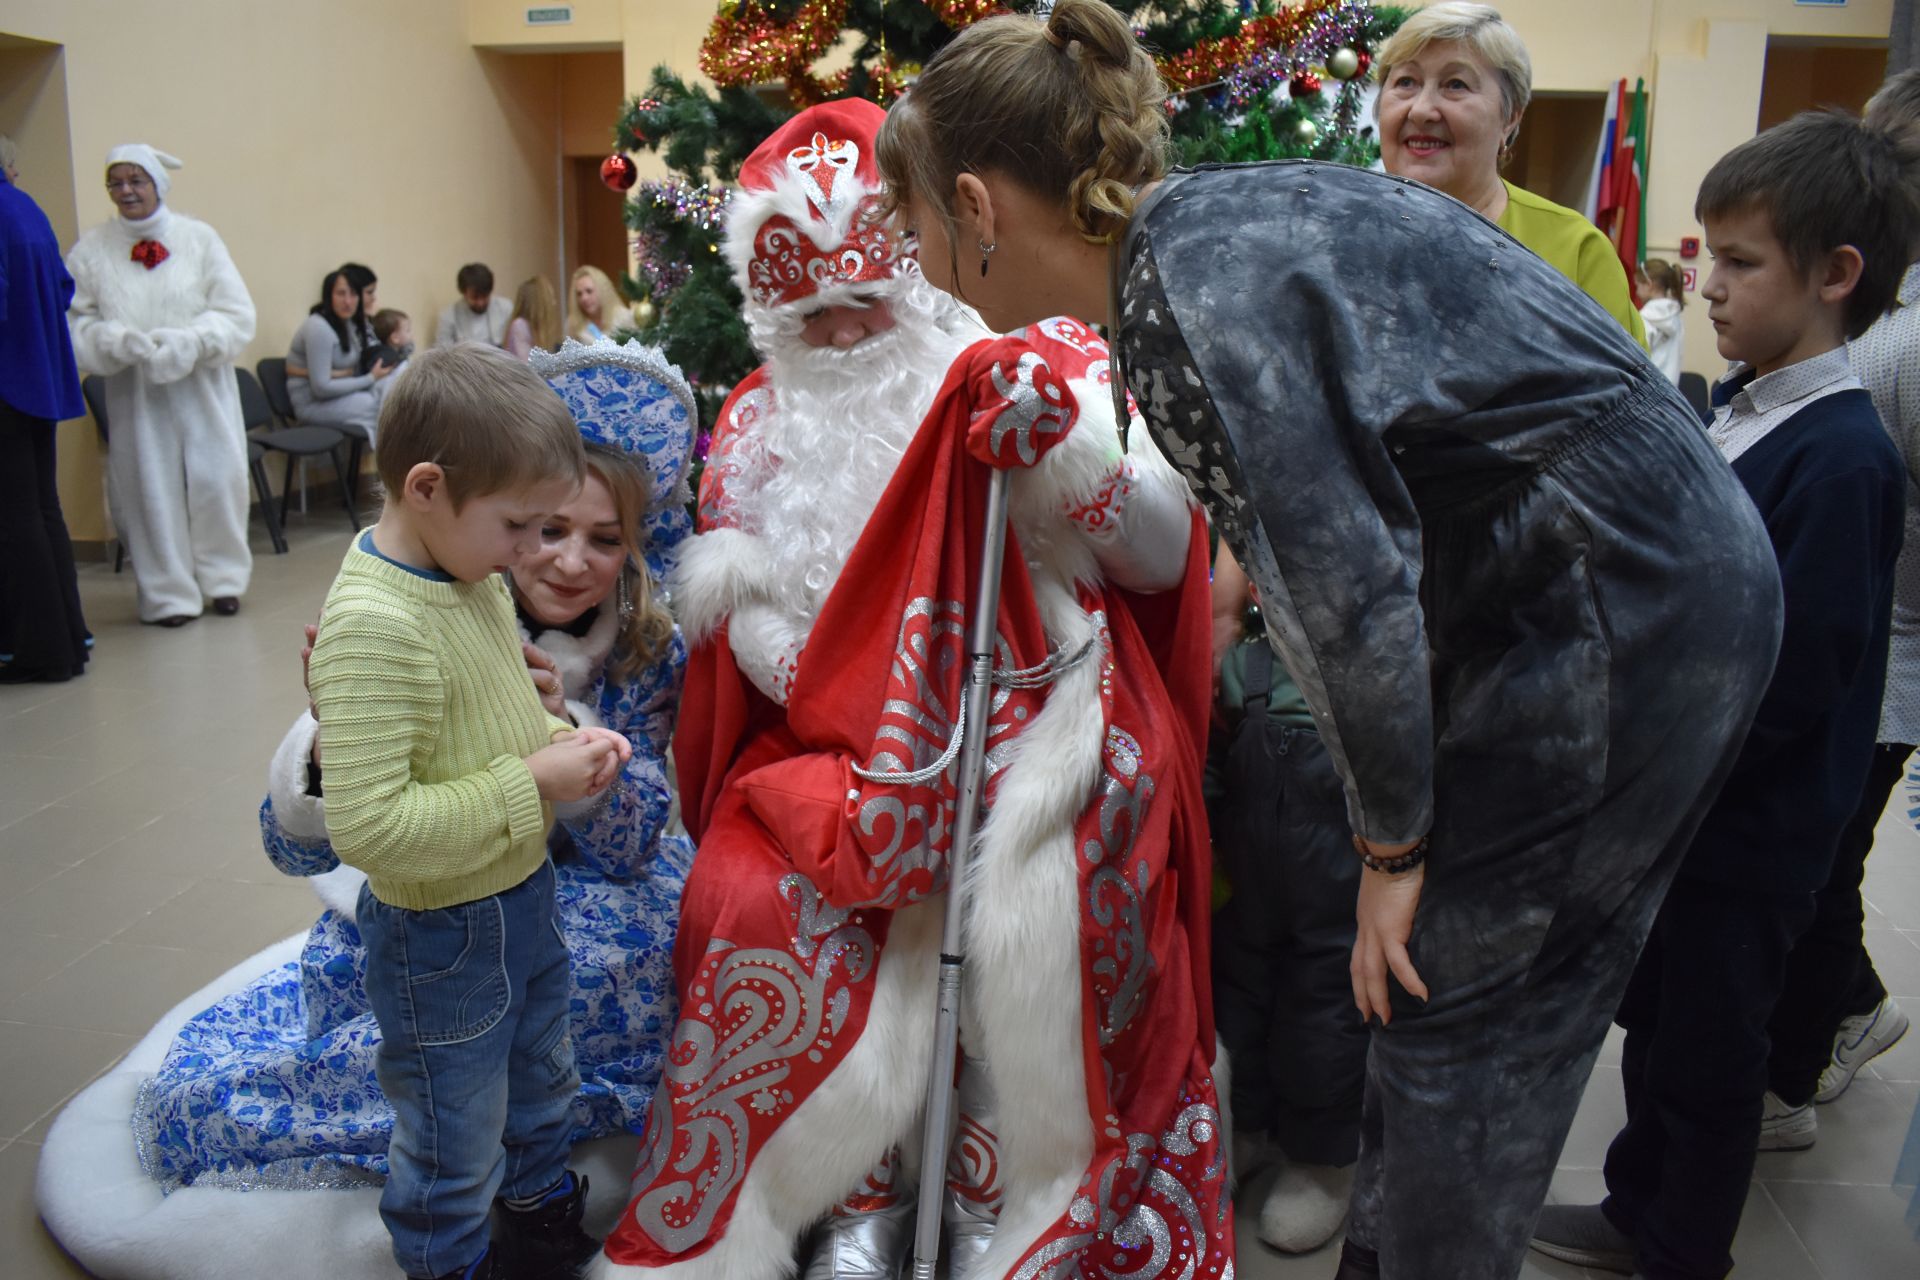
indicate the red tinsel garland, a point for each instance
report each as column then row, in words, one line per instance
column 1211, row 60
column 746, row 46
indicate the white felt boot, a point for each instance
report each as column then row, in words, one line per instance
column 1305, row 1206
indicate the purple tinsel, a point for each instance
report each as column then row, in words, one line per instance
column 1329, row 30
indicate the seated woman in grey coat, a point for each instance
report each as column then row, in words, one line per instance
column 323, row 378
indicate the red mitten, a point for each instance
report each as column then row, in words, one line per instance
column 1022, row 407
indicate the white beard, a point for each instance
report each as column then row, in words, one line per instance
column 839, row 423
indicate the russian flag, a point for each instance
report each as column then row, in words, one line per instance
column 1615, row 194
column 1600, row 185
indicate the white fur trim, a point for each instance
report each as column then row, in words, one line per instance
column 104, row 1210
column 1023, row 945
column 870, row 1102
column 580, row 659
column 339, row 889
column 300, row 815
column 1147, row 550
column 718, row 570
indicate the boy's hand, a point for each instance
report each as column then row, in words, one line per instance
column 578, row 765
column 621, row 753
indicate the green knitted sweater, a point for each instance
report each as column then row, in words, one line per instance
column 426, row 720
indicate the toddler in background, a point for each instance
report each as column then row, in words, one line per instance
column 1665, row 296
column 393, row 340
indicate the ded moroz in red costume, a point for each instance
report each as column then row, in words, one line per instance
column 819, row 782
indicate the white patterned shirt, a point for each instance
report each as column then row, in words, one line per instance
column 1747, row 409
column 1887, row 359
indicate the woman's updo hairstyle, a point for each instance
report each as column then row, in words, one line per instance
column 1071, row 109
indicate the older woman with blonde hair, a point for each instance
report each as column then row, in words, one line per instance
column 1455, row 80
column 594, row 307
column 1481, row 524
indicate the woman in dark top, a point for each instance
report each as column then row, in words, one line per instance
column 1531, row 609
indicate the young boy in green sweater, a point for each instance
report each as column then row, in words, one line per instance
column 442, row 772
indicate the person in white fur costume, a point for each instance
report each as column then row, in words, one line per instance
column 160, row 312
column 839, row 520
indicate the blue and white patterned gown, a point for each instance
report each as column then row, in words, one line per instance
column 274, row 1085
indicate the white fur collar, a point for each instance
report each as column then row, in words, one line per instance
column 580, row 659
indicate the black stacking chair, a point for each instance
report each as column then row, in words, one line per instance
column 273, row 381
column 1694, row 387
column 259, row 413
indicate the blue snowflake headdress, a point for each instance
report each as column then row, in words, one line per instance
column 631, row 397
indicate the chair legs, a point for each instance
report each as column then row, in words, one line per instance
column 355, row 445
column 268, row 512
column 346, row 487
column 286, row 490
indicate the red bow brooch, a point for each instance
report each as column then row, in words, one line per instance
column 149, row 253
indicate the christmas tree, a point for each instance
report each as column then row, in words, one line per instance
column 1247, row 79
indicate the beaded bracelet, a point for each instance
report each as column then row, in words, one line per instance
column 1396, row 865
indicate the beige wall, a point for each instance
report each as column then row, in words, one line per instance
column 361, row 130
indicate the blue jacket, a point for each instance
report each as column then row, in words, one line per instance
column 37, row 373
column 1832, row 490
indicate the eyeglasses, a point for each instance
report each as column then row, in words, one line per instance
column 129, row 184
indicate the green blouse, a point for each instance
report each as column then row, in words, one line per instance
column 1576, row 249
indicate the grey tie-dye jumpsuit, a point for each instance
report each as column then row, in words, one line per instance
column 1530, row 606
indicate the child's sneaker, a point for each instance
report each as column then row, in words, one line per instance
column 1583, row 1235
column 1862, row 1037
column 545, row 1241
column 1787, row 1128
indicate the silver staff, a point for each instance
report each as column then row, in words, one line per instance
column 981, row 630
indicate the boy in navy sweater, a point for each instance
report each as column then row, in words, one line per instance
column 1810, row 225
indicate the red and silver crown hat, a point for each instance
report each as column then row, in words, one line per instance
column 805, row 225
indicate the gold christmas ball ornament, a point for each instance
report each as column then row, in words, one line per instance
column 1306, row 132
column 1344, row 64
column 645, row 314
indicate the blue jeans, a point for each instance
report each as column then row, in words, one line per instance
column 475, row 1057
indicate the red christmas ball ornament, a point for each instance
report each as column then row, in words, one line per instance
column 619, row 172
column 1366, row 61
column 1304, row 84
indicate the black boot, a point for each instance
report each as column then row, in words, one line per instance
column 546, row 1241
column 1357, row 1262
column 492, row 1266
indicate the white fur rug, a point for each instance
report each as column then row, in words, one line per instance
column 108, row 1214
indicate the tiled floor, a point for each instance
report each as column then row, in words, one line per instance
column 131, row 874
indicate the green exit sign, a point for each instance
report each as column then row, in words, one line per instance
column 552, row 15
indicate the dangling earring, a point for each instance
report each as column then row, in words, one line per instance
column 986, row 249
column 625, row 595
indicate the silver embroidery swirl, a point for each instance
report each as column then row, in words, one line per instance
column 1029, row 411
column 817, row 918
column 1192, row 1129
column 775, row 1025
column 1111, row 897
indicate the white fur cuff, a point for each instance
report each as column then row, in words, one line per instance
column 301, row 816
column 718, row 571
